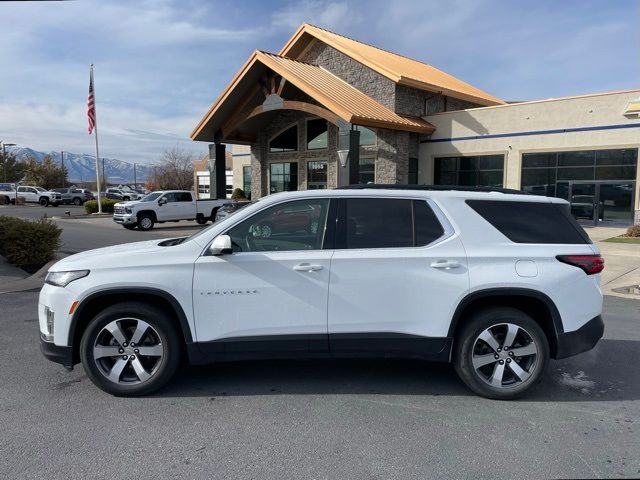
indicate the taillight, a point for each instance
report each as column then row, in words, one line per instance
column 591, row 264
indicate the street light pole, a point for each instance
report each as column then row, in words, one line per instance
column 104, row 179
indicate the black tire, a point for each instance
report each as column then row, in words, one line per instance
column 126, row 199
column 145, row 222
column 44, row 201
column 77, row 201
column 202, row 220
column 163, row 370
column 468, row 341
column 130, row 226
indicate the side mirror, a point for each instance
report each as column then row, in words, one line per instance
column 162, row 201
column 221, row 245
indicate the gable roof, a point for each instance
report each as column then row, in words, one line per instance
column 400, row 69
column 336, row 95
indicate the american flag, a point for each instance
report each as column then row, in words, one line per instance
column 91, row 106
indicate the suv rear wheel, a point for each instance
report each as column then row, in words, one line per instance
column 501, row 353
column 130, row 349
column 77, row 201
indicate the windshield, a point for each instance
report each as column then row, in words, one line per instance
column 151, row 197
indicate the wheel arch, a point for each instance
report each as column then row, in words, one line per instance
column 91, row 305
column 149, row 212
column 532, row 302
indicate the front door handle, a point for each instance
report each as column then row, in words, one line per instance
column 307, row 267
column 445, row 264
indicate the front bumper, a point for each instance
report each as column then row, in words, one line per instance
column 581, row 340
column 124, row 219
column 56, row 353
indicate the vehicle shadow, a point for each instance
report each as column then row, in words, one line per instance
column 610, row 372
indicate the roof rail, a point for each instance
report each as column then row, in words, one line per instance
column 439, row 188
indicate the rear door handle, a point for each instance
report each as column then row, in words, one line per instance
column 307, row 267
column 445, row 264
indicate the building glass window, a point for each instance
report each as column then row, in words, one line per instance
column 367, row 136
column 413, row 171
column 316, row 175
column 471, row 171
column 286, row 141
column 548, row 173
column 317, row 134
column 367, row 170
column 283, row 177
column 246, row 181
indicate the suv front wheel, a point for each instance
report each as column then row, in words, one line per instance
column 501, row 353
column 130, row 349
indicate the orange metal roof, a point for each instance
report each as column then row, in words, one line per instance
column 400, row 69
column 332, row 92
column 341, row 98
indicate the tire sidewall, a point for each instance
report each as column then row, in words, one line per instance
column 155, row 318
column 142, row 217
column 479, row 322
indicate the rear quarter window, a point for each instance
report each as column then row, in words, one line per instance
column 531, row 222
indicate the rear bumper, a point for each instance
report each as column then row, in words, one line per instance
column 56, row 353
column 581, row 340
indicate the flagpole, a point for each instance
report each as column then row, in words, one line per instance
column 95, row 126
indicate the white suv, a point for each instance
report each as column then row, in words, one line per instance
column 495, row 282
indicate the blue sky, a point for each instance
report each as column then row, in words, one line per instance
column 161, row 63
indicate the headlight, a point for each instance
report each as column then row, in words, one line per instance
column 62, row 279
column 127, row 210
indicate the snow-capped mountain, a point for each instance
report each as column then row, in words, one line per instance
column 82, row 167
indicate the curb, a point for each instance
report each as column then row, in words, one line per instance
column 34, row 281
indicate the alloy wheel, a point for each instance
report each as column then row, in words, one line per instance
column 145, row 222
column 504, row 355
column 128, row 351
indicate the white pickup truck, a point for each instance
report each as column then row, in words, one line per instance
column 34, row 195
column 165, row 206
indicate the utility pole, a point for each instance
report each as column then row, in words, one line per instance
column 135, row 179
column 155, row 178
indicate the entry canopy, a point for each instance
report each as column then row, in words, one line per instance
column 268, row 83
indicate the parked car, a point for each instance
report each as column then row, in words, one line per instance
column 120, row 194
column 73, row 195
column 163, row 206
column 33, row 194
column 497, row 283
column 88, row 194
column 229, row 209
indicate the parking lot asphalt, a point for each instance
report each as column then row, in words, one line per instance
column 320, row 419
column 311, row 419
column 80, row 232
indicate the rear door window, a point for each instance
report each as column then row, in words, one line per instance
column 531, row 222
column 387, row 223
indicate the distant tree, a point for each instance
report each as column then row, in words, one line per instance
column 149, row 185
column 45, row 174
column 11, row 169
column 175, row 171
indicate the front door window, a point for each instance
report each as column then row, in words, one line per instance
column 291, row 226
column 316, row 175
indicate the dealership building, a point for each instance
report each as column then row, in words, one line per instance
column 328, row 111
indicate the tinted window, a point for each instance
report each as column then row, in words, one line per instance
column 378, row 223
column 427, row 225
column 316, row 134
column 298, row 225
column 183, row 197
column 286, row 141
column 531, row 222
